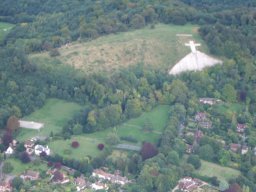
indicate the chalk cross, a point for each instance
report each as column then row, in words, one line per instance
column 192, row 46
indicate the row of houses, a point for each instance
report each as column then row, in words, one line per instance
column 115, row 178
column 189, row 184
column 59, row 177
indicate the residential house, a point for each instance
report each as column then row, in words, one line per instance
column 201, row 116
column 40, row 149
column 80, row 183
column 209, row 101
column 29, row 144
column 59, row 178
column 13, row 144
column 202, row 120
column 234, row 147
column 30, row 151
column 99, row 186
column 9, row 151
column 188, row 184
column 240, row 128
column 244, row 149
column 30, row 175
column 113, row 178
column 198, row 135
column 189, row 149
column 5, row 186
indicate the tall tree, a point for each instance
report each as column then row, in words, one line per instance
column 12, row 124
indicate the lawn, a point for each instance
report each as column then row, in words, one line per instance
column 4, row 29
column 54, row 114
column 159, row 47
column 20, row 167
column 222, row 173
column 88, row 142
column 158, row 118
column 228, row 109
column 88, row 147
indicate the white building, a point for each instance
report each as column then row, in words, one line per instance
column 9, row 151
column 39, row 149
column 99, row 186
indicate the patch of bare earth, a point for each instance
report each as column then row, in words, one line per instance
column 112, row 56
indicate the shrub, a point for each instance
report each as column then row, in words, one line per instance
column 148, row 150
column 24, row 157
column 7, row 138
column 101, row 146
column 49, row 164
column 75, row 144
column 57, row 165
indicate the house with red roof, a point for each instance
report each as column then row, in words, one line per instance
column 189, row 184
column 234, row 147
column 240, row 128
column 30, row 175
column 80, row 183
column 113, row 178
column 5, row 186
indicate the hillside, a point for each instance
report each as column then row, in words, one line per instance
column 159, row 47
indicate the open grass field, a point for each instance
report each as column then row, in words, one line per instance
column 229, row 109
column 88, row 142
column 20, row 167
column 88, row 147
column 158, row 118
column 4, row 29
column 54, row 114
column 159, row 47
column 222, row 173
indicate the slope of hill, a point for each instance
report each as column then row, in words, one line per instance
column 159, row 47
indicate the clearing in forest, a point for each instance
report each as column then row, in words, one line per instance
column 4, row 29
column 148, row 127
column 54, row 114
column 161, row 47
column 213, row 170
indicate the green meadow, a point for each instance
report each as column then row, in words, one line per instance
column 222, row 173
column 54, row 114
column 87, row 147
column 156, row 118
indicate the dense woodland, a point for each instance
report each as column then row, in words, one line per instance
column 229, row 31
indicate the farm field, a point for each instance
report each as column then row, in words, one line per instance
column 158, row 118
column 222, row 173
column 4, row 29
column 54, row 114
column 88, row 147
column 159, row 47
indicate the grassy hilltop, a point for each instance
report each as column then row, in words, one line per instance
column 159, row 47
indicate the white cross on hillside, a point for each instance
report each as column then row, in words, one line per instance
column 192, row 46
